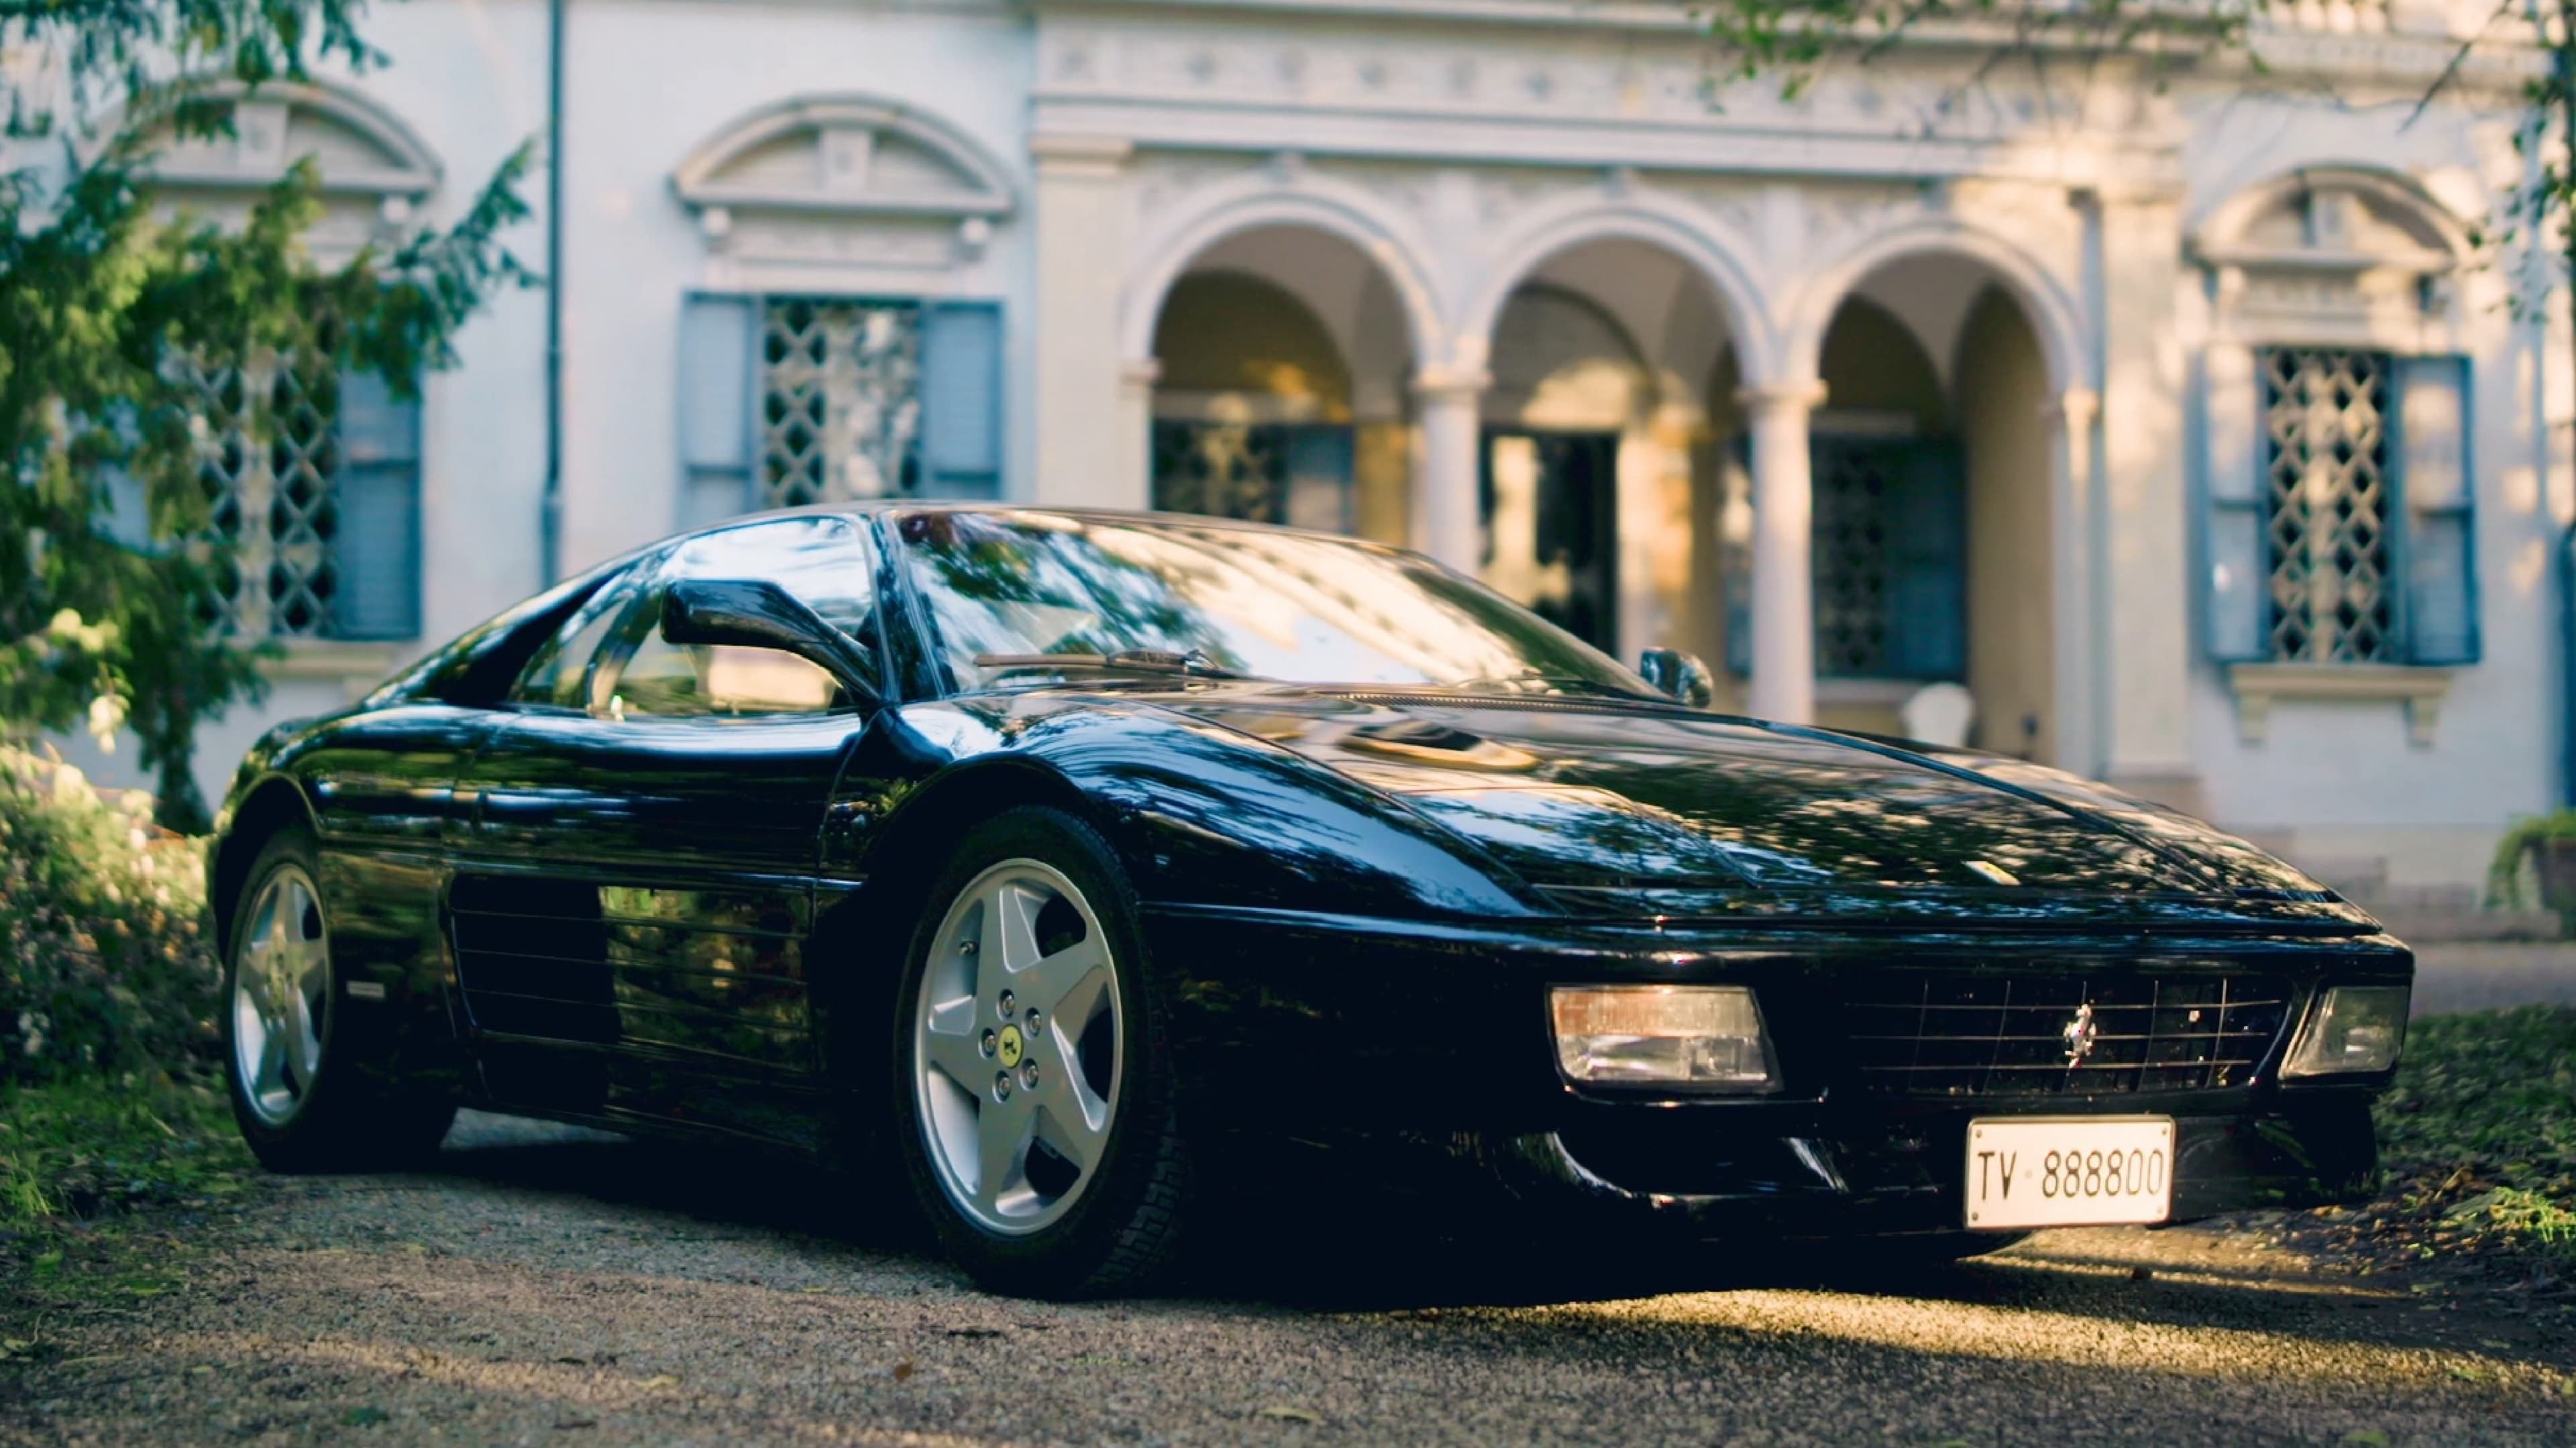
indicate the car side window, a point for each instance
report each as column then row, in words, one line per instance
column 669, row 679
column 554, row 676
column 828, row 563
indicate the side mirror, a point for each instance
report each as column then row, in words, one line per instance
column 755, row 613
column 1679, row 674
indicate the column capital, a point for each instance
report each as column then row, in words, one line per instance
column 1058, row 153
column 1434, row 384
column 1807, row 394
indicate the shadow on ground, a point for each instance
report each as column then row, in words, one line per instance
column 1346, row 1246
column 537, row 1283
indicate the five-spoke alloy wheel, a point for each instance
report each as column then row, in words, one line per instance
column 281, row 995
column 1016, row 1031
column 1042, row 1138
column 312, row 1088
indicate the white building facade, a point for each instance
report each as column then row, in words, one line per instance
column 2177, row 416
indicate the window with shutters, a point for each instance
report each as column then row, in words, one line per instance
column 790, row 400
column 311, row 474
column 2327, row 546
column 2338, row 554
column 311, row 483
column 840, row 400
column 2359, row 527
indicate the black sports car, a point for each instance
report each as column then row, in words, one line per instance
column 1043, row 841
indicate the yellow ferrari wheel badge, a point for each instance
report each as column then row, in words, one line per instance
column 1010, row 1048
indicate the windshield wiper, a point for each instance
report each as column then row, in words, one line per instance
column 1553, row 681
column 1193, row 664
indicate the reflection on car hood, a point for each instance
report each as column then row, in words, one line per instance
column 1574, row 794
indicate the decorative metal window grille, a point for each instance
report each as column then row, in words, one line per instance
column 1851, row 561
column 2325, row 415
column 271, row 482
column 1222, row 469
column 840, row 400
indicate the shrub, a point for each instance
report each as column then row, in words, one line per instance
column 2505, row 871
column 104, row 963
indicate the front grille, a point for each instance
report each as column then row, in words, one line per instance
column 1957, row 1033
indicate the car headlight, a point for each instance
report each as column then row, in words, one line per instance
column 2354, row 1030
column 1705, row 1037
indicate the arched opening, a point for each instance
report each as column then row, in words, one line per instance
column 1932, row 506
column 1599, row 477
column 1280, row 392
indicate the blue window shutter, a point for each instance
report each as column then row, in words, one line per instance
column 718, row 361
column 2238, row 566
column 1927, row 561
column 129, row 509
column 2437, row 486
column 376, row 547
column 2236, row 563
column 961, row 400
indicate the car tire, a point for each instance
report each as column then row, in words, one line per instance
column 304, row 1099
column 1038, row 1115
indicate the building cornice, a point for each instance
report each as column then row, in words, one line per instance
column 2343, row 28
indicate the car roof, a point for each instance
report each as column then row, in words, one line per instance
column 1133, row 517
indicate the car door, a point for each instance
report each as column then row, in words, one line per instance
column 522, row 919
column 654, row 850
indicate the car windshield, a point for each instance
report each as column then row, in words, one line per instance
column 1178, row 597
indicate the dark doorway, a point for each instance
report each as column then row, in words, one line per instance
column 1550, row 504
column 1293, row 473
column 1890, row 557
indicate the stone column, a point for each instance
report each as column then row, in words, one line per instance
column 1445, row 521
column 2145, row 525
column 1083, row 455
column 1136, row 426
column 2075, row 643
column 1784, row 604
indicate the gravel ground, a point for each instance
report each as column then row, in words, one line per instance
column 544, row 1286
column 2483, row 975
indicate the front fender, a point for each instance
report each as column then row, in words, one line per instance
column 1203, row 814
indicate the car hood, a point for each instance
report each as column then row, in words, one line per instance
column 1604, row 796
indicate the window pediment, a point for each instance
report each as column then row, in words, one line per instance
column 844, row 157
column 2333, row 219
column 357, row 147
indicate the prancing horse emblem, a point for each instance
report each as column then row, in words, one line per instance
column 2080, row 1034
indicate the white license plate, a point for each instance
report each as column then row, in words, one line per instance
column 2069, row 1171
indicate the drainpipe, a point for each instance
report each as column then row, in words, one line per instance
column 550, row 505
column 2536, row 174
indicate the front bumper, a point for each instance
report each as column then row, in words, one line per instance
column 1344, row 1029
column 1669, row 1172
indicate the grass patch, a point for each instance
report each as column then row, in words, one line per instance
column 2494, row 1091
column 2478, row 1137
column 77, row 1151
column 78, row 1160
